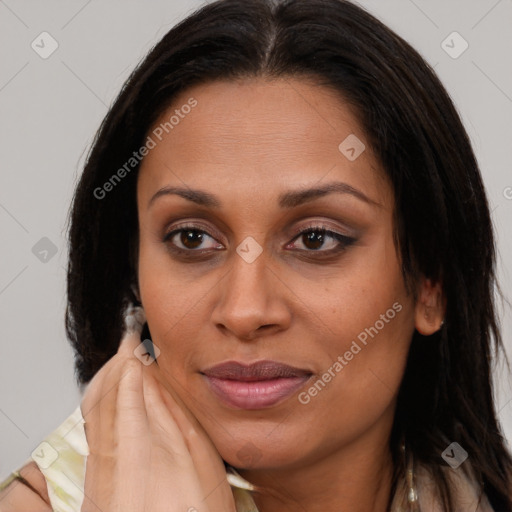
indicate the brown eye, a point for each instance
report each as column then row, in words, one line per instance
column 191, row 239
column 313, row 239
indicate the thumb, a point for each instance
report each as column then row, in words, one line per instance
column 129, row 343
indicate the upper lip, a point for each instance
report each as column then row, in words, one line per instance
column 260, row 370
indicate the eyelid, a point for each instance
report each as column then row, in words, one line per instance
column 321, row 225
column 342, row 240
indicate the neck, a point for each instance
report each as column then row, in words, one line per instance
column 355, row 478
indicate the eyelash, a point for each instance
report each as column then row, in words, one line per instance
column 343, row 240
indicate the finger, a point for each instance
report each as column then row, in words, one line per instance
column 162, row 422
column 101, row 393
column 174, row 402
column 204, row 456
column 98, row 404
column 131, row 413
column 133, row 441
column 99, row 411
column 172, row 453
column 130, row 341
column 100, row 464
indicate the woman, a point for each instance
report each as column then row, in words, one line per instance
column 283, row 199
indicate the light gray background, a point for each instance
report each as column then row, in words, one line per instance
column 50, row 109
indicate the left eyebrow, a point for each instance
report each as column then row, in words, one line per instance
column 297, row 197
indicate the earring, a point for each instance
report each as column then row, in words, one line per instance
column 409, row 500
column 134, row 318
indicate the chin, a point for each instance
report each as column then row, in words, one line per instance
column 259, row 453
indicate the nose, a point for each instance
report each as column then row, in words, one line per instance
column 252, row 299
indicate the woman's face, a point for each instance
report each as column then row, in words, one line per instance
column 240, row 283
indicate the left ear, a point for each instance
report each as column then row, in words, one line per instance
column 430, row 307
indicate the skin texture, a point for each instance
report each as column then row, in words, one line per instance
column 247, row 142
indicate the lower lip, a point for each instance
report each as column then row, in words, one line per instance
column 255, row 394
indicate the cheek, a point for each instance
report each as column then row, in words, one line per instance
column 362, row 294
column 360, row 377
column 168, row 300
column 367, row 337
column 369, row 321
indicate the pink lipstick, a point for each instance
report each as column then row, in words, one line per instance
column 254, row 386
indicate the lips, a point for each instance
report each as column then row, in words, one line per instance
column 255, row 386
column 261, row 370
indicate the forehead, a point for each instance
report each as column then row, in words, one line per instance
column 262, row 134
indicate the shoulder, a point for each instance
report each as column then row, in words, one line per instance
column 28, row 493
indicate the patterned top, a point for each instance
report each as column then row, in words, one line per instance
column 62, row 456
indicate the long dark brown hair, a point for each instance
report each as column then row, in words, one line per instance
column 441, row 221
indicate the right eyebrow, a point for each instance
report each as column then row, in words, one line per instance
column 199, row 197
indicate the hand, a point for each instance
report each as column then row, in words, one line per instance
column 148, row 453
